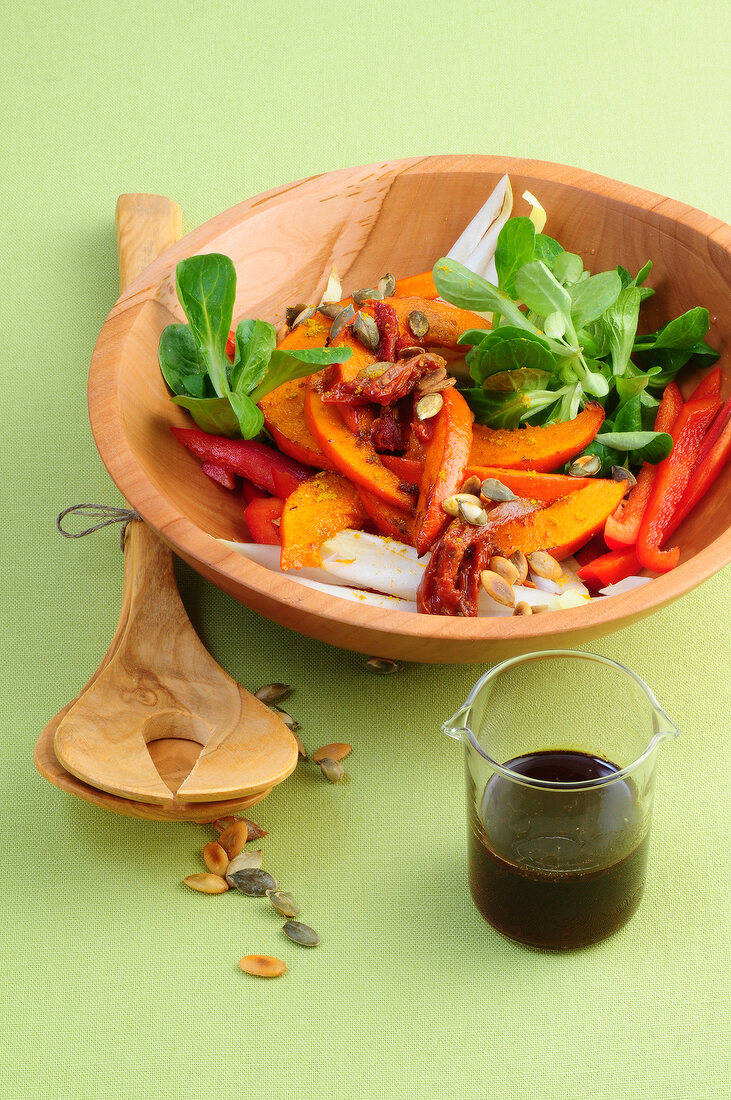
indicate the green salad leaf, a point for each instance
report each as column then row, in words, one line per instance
column 222, row 396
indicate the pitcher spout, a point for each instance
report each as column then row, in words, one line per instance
column 456, row 726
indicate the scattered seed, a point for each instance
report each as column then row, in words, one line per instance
column 450, row 505
column 387, row 285
column 284, row 904
column 207, row 884
column 290, row 722
column 262, row 966
column 301, row 933
column 366, row 330
column 244, row 861
column 410, row 351
column 585, row 466
column 305, row 315
column 523, row 608
column 520, row 562
column 492, row 489
column 543, row 565
column 429, row 406
column 215, row 858
column 233, row 839
column 332, row 769
column 253, row 882
column 330, row 309
column 341, row 320
column 474, row 514
column 365, row 294
column 505, row 569
column 255, row 831
column 270, row 693
column 222, row 823
column 435, row 381
column 418, row 324
column 471, row 487
column 293, row 312
column 337, row 751
column 383, row 665
column 621, row 473
column 497, row 587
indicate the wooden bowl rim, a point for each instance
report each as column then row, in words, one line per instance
column 195, row 545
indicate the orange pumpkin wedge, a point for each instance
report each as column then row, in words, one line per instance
column 284, row 416
column 315, row 511
column 541, row 449
column 564, row 525
column 416, row 286
column 529, row 484
column 446, row 456
column 446, row 322
column 391, row 522
column 354, row 458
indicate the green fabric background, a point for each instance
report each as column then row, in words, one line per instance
column 119, row 982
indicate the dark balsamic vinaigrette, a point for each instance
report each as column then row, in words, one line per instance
column 558, row 868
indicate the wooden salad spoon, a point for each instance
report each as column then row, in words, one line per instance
column 160, row 730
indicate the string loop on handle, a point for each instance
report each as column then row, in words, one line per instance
column 105, row 514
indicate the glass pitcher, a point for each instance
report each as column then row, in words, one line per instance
column 560, row 754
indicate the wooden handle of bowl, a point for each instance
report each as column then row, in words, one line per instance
column 146, row 226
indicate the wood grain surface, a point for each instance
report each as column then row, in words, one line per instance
column 397, row 216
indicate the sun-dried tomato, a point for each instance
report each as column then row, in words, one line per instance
column 390, row 431
column 396, row 381
column 387, row 322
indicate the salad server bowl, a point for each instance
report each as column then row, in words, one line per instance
column 398, row 216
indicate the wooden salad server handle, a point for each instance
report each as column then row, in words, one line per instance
column 157, row 683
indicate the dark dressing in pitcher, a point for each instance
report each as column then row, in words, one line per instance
column 554, row 867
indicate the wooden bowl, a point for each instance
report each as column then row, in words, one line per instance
column 398, row 216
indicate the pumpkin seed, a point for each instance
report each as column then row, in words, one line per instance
column 255, row 831
column 284, row 904
column 523, row 608
column 435, row 381
column 222, row 823
column 621, row 473
column 262, row 966
column 270, row 693
column 492, row 489
column 341, row 320
column 373, row 370
column 383, row 665
column 305, row 315
column 471, row 487
column 215, row 858
column 520, row 562
column 543, row 565
column 207, row 884
column 410, row 351
column 497, row 587
column 333, row 292
column 418, row 324
column 539, row 608
column 300, row 933
column 253, row 882
column 451, row 504
column 244, row 861
column 366, row 330
column 290, row 722
column 474, row 514
column 293, row 312
column 504, row 569
column 332, row 769
column 387, row 285
column 337, row 751
column 585, row 466
column 330, row 309
column 366, row 294
column 233, row 839
column 429, row 406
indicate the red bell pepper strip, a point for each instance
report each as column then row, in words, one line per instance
column 673, row 475
column 594, row 548
column 218, row 473
column 707, row 469
column 610, row 568
column 252, row 460
column 622, row 528
column 250, row 492
column 710, row 386
column 260, row 516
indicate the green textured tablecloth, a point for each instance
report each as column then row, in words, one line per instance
column 119, row 982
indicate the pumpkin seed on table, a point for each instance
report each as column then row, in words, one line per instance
column 234, row 838
column 206, row 884
column 418, row 324
column 585, row 466
column 492, row 489
column 244, row 861
column 332, row 769
column 290, row 722
column 284, row 903
column 497, row 588
column 215, row 858
column 270, row 693
column 544, row 565
column 253, row 882
column 383, row 666
column 337, row 751
column 300, row 933
column 428, row 406
column 262, row 966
